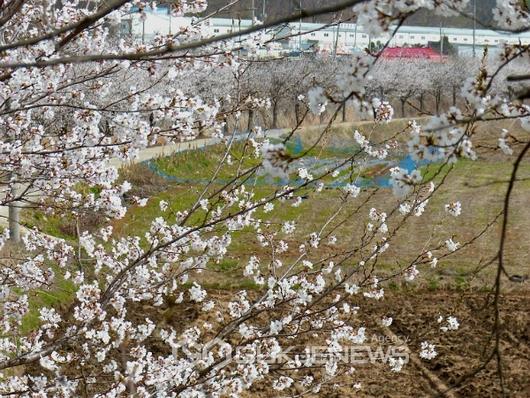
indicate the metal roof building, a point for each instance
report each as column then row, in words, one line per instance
column 346, row 37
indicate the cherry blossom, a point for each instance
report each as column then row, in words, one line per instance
column 78, row 100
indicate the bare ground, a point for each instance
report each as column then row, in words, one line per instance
column 415, row 315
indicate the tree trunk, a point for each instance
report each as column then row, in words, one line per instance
column 454, row 96
column 297, row 111
column 275, row 115
column 403, row 101
column 250, row 119
column 421, row 102
column 344, row 113
column 225, row 126
column 13, row 207
column 437, row 100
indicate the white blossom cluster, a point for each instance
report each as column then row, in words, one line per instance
column 364, row 143
column 383, row 110
column 275, row 159
column 428, row 351
column 451, row 323
column 509, row 14
column 454, row 208
column 403, row 182
column 317, row 100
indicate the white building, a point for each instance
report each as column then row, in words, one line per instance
column 345, row 37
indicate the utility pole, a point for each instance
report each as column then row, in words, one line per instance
column 300, row 28
column 143, row 31
column 336, row 41
column 441, row 39
column 14, row 217
column 474, row 26
column 169, row 14
column 355, row 36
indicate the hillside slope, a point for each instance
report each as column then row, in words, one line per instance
column 278, row 8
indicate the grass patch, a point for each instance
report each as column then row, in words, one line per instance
column 225, row 265
column 60, row 297
column 479, row 207
column 202, row 163
column 433, row 283
column 138, row 219
column 51, row 224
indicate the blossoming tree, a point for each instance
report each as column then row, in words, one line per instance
column 75, row 99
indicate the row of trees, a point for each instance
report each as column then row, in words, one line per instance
column 272, row 93
column 421, row 84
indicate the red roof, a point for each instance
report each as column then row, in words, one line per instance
column 412, row 53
